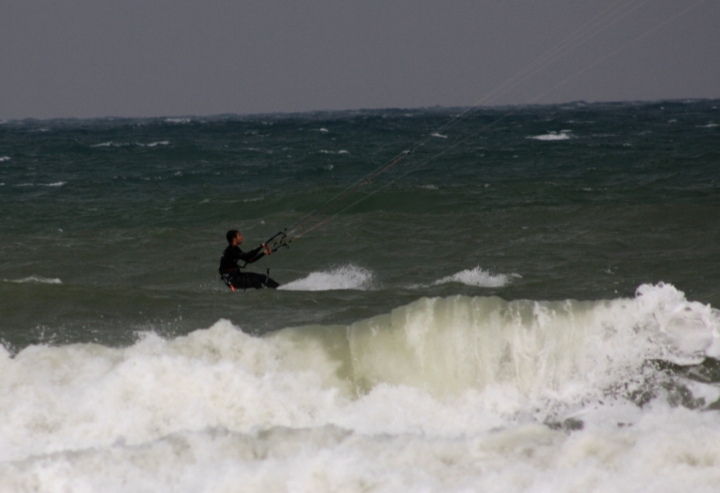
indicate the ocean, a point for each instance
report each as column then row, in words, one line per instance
column 506, row 299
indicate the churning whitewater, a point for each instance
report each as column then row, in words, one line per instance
column 472, row 391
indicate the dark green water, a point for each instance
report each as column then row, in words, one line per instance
column 114, row 226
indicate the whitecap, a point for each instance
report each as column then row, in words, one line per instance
column 439, row 136
column 709, row 125
column 34, row 279
column 56, row 184
column 324, row 130
column 479, row 277
column 345, row 277
column 108, row 144
column 4, row 158
column 177, row 120
column 551, row 136
column 155, row 144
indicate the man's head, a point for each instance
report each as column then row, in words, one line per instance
column 234, row 237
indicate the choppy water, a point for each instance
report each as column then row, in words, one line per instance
column 531, row 308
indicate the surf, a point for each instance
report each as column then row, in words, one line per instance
column 545, row 360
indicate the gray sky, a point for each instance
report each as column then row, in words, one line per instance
column 87, row 58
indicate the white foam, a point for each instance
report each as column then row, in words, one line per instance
column 439, row 136
column 56, row 184
column 4, row 158
column 709, row 125
column 551, row 136
column 35, row 279
column 156, row 144
column 668, row 451
column 479, row 277
column 442, row 395
column 345, row 277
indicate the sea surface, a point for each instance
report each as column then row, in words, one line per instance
column 506, row 299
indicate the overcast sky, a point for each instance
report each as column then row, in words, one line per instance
column 89, row 58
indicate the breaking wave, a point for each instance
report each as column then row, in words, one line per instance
column 436, row 395
column 345, row 277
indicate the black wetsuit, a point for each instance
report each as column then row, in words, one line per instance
column 235, row 278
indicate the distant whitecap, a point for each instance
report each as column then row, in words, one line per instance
column 34, row 279
column 480, row 278
column 563, row 135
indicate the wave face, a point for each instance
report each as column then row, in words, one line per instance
column 474, row 391
column 447, row 345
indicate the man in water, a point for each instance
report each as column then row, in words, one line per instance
column 230, row 271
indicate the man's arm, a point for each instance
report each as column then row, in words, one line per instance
column 252, row 255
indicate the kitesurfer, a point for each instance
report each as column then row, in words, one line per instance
column 231, row 273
